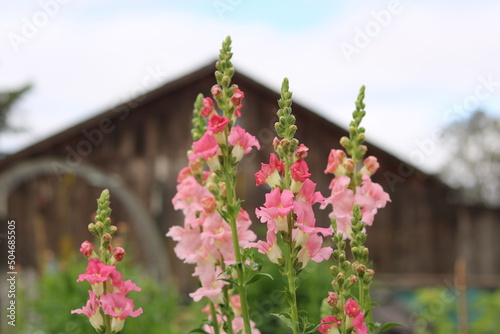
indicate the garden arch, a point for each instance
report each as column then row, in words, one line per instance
column 157, row 260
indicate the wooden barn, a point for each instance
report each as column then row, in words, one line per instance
column 137, row 148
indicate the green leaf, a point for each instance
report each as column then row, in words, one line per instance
column 257, row 277
column 198, row 330
column 284, row 318
column 385, row 327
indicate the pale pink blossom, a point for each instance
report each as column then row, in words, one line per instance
column 189, row 247
column 242, row 142
column 359, row 324
column 370, row 197
column 342, row 201
column 211, row 285
column 189, row 197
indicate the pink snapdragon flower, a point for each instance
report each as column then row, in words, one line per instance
column 208, row 149
column 96, row 273
column 242, row 142
column 300, row 173
column 313, row 251
column 330, row 325
column 269, row 247
column 277, row 206
column 216, row 126
column 91, row 310
column 189, row 197
column 370, row 197
column 208, row 107
column 119, row 308
column 270, row 173
column 356, row 317
column 336, row 160
column 211, row 285
column 121, row 286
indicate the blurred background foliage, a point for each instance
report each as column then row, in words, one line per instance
column 45, row 303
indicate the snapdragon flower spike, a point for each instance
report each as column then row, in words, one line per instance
column 108, row 287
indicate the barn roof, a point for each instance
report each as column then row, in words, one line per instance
column 38, row 149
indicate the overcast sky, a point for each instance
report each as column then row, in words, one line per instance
column 425, row 64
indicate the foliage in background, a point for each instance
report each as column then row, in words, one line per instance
column 435, row 310
column 473, row 162
column 57, row 293
column 7, row 101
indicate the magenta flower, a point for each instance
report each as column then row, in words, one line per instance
column 242, row 142
column 330, row 325
column 359, row 324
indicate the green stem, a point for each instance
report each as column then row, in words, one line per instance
column 229, row 314
column 290, row 273
column 215, row 324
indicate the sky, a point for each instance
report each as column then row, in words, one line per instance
column 424, row 63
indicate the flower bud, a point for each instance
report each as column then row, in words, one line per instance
column 301, row 152
column 87, row 248
column 361, row 268
column 276, row 143
column 332, row 299
column 209, row 204
column 370, row 272
column 349, row 165
column 113, row 229
column 106, row 238
column 352, row 280
column 118, row 254
column 371, row 165
column 216, row 91
column 237, row 97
